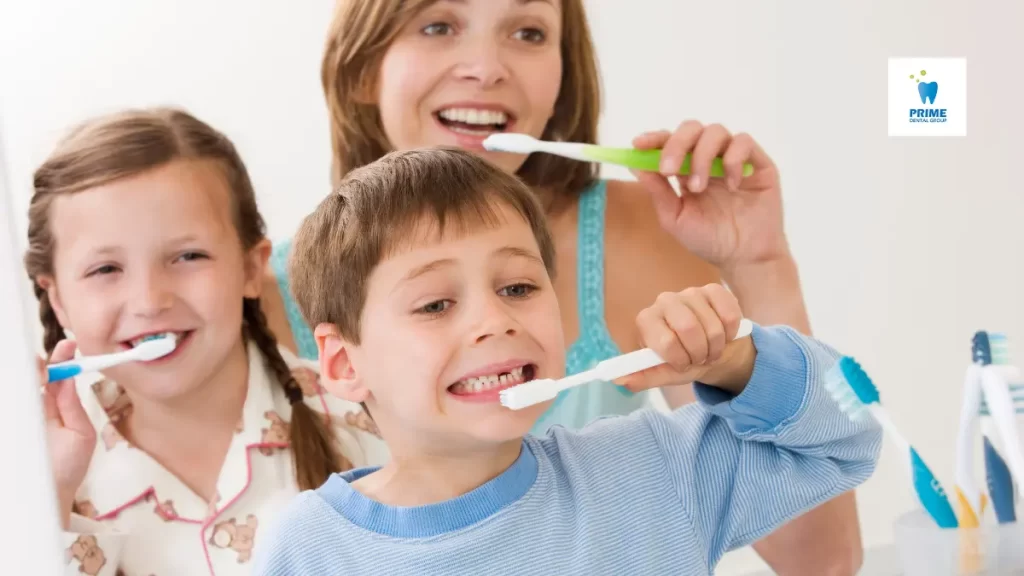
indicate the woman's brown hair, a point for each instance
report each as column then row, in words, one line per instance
column 360, row 33
column 127, row 143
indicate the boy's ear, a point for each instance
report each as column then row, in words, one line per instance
column 337, row 373
column 47, row 284
column 255, row 268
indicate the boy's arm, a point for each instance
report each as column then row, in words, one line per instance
column 826, row 540
column 745, row 464
column 91, row 548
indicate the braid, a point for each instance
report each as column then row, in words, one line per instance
column 53, row 332
column 311, row 440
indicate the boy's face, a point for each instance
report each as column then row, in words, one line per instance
column 448, row 323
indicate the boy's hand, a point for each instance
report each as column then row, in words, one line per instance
column 69, row 432
column 693, row 331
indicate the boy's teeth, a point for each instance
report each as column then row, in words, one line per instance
column 481, row 383
column 474, row 116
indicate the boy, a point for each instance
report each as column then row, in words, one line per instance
column 428, row 278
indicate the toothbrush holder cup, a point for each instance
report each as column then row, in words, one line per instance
column 927, row 550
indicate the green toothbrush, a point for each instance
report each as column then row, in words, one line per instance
column 648, row 160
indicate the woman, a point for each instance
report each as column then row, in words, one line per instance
column 407, row 74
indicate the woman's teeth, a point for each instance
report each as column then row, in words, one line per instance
column 492, row 381
column 473, row 121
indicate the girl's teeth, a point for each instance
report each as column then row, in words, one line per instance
column 138, row 341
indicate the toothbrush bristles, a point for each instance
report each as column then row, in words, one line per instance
column 838, row 387
column 527, row 394
column 1000, row 346
column 156, row 348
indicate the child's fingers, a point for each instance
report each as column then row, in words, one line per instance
column 69, row 406
column 63, row 351
column 711, row 326
column 656, row 377
column 47, row 392
column 658, row 336
column 683, row 319
column 52, row 391
column 726, row 307
column 41, row 371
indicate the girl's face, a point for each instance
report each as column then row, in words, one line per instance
column 155, row 253
column 463, row 69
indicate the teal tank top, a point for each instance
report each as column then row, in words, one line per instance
column 575, row 407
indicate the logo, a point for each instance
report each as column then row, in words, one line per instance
column 928, row 91
column 916, row 106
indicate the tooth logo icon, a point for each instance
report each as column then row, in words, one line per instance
column 917, row 107
column 927, row 90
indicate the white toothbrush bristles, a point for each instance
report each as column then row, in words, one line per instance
column 157, row 348
column 511, row 142
column 529, row 393
column 841, row 392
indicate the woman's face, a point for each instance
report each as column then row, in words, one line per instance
column 464, row 69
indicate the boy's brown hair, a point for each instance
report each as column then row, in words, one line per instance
column 124, row 144
column 361, row 32
column 377, row 208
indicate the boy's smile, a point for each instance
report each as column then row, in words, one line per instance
column 484, row 385
column 450, row 320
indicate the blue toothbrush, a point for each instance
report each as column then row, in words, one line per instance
column 857, row 395
column 152, row 348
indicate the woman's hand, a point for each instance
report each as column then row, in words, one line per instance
column 69, row 433
column 730, row 222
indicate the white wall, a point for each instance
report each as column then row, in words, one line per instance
column 906, row 246
column 31, row 545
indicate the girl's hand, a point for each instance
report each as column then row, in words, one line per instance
column 731, row 221
column 69, row 432
column 693, row 331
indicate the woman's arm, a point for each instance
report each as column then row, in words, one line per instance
column 770, row 293
column 824, row 541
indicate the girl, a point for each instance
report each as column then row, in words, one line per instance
column 400, row 74
column 143, row 223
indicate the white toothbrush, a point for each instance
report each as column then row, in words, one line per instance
column 537, row 391
column 152, row 349
column 969, row 494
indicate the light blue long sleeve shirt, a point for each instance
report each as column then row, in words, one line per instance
column 650, row 493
